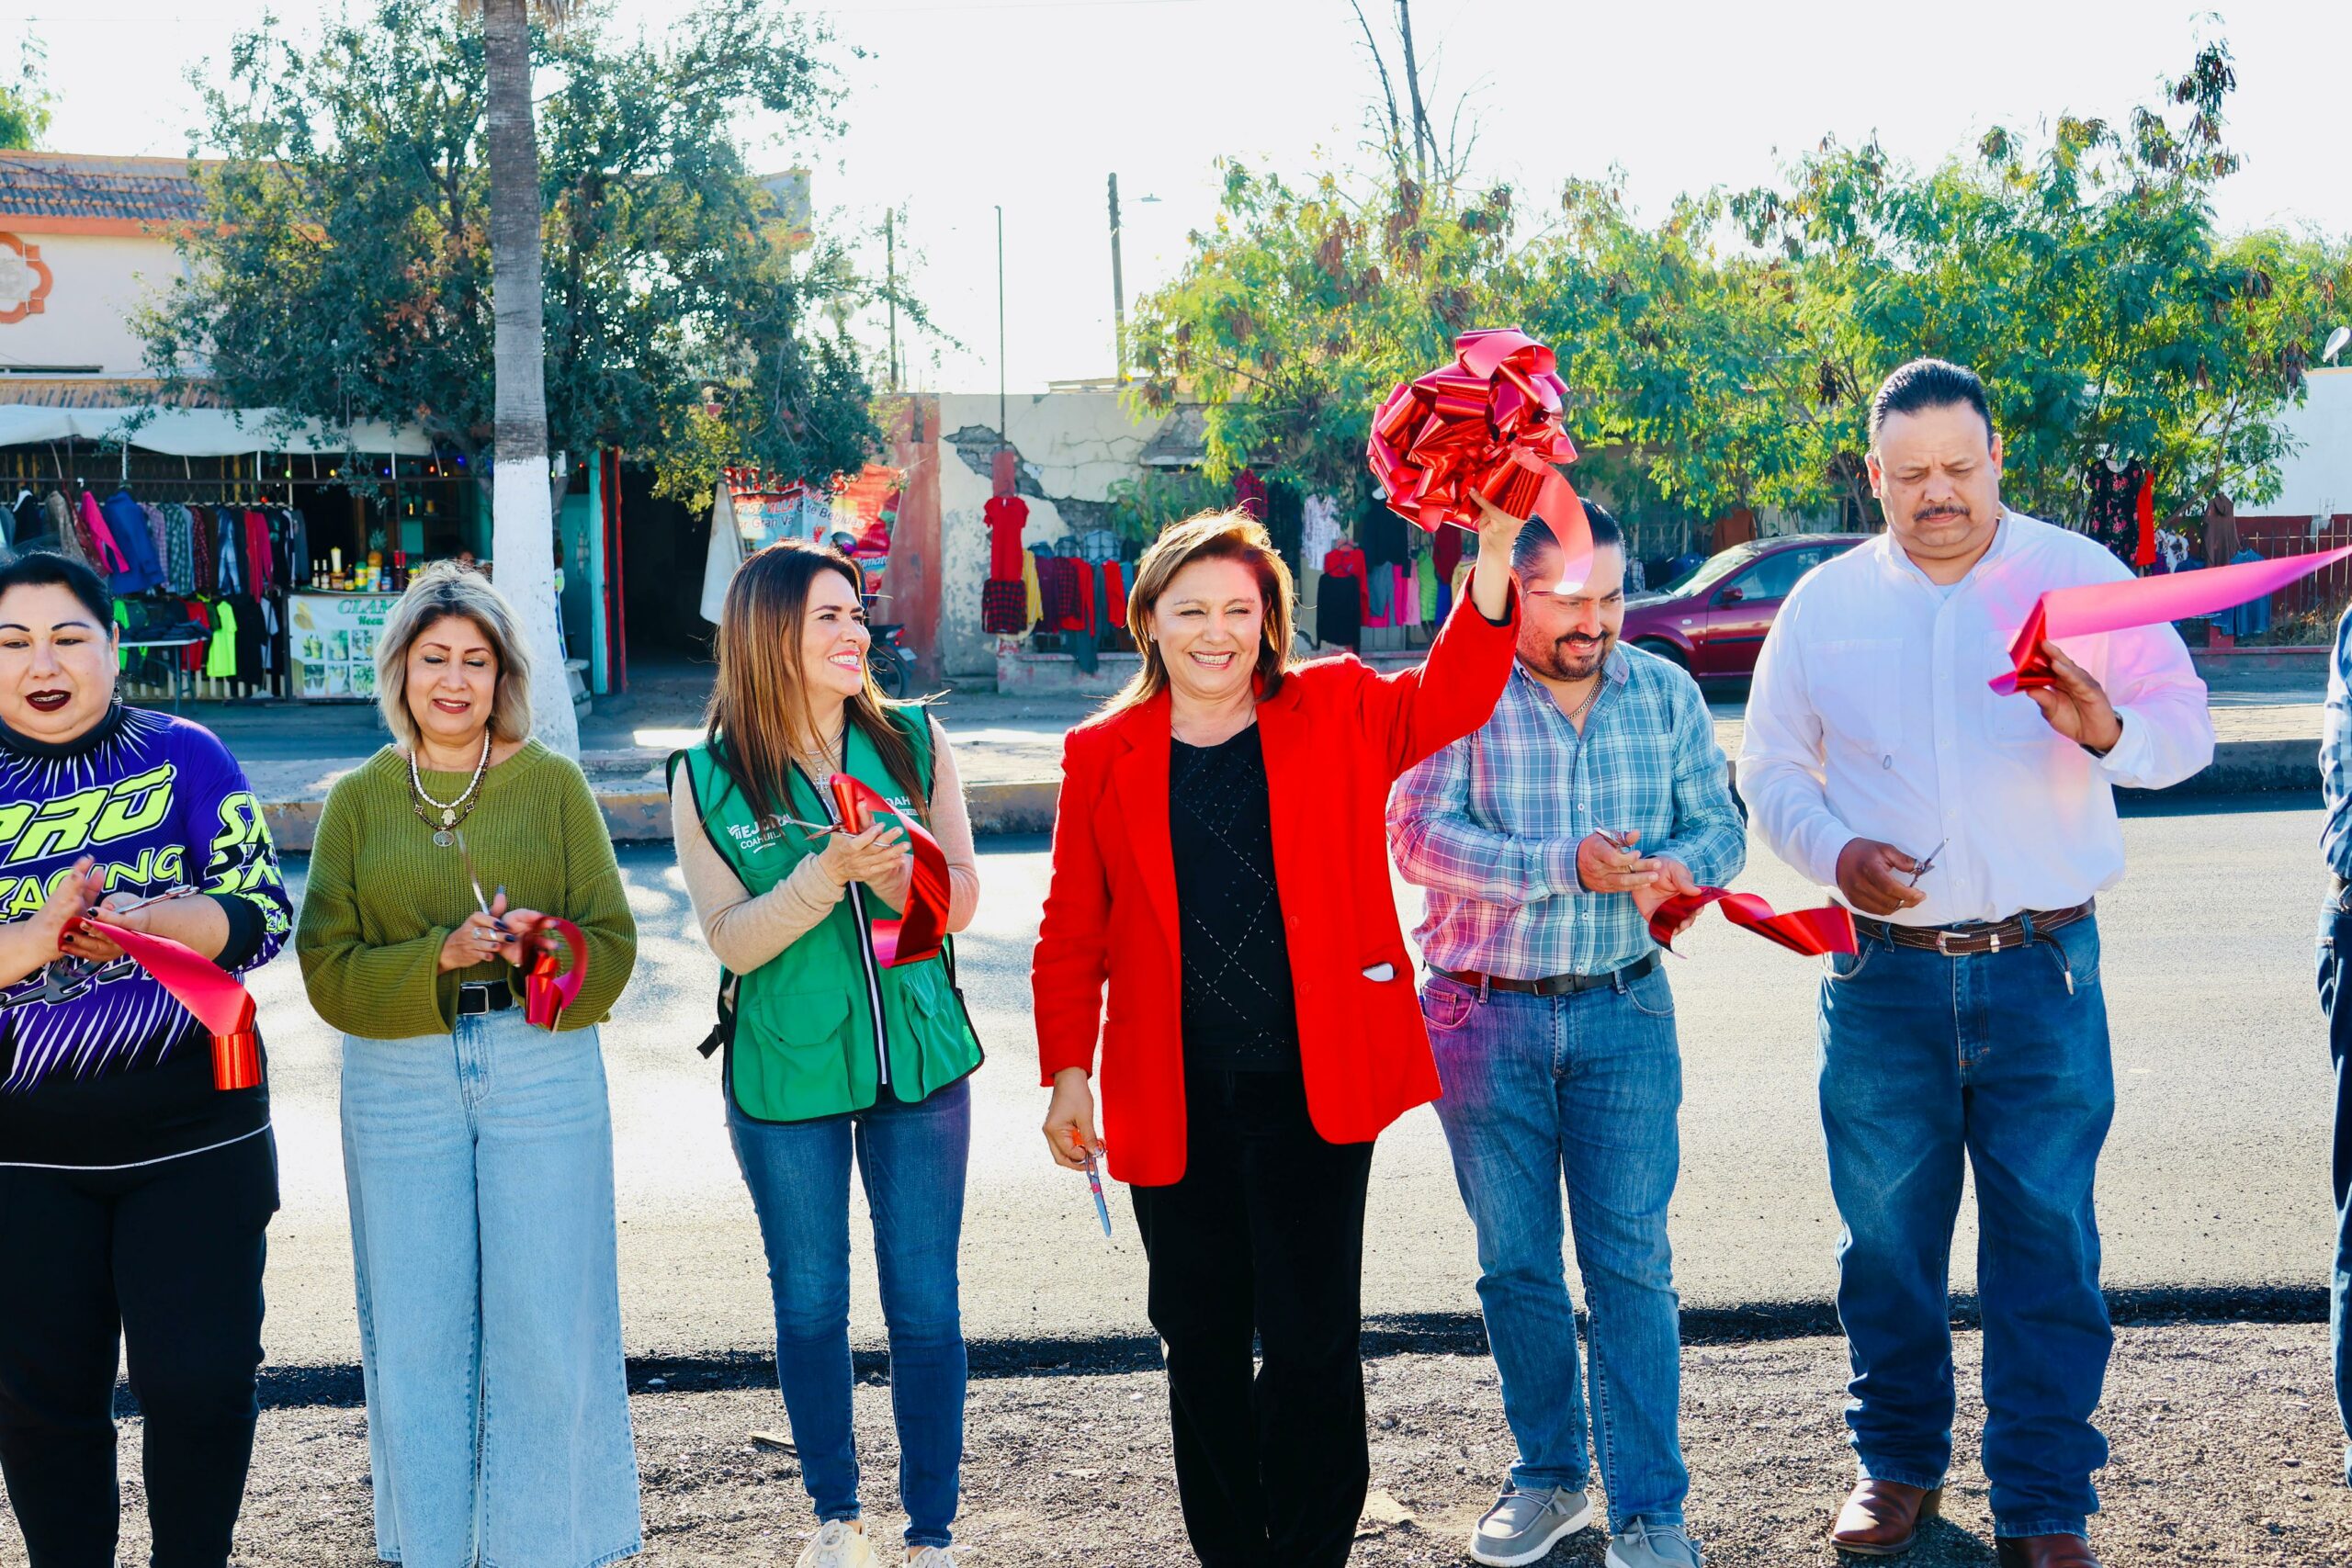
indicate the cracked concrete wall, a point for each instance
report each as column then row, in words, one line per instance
column 1072, row 448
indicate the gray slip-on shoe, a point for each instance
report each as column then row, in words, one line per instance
column 1525, row 1524
column 1642, row 1544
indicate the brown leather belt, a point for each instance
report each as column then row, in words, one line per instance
column 1993, row 936
column 1553, row 984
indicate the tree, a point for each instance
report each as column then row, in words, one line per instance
column 1297, row 313
column 2083, row 277
column 350, row 274
column 24, row 98
column 1724, row 356
column 521, row 506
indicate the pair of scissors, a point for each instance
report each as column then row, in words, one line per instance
column 475, row 878
column 165, row 896
column 1620, row 840
column 1921, row 868
column 1094, row 1181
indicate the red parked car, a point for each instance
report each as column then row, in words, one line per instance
column 1712, row 619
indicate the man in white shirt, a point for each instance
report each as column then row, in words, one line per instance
column 1970, row 833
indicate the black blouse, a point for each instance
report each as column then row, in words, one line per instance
column 1239, row 1010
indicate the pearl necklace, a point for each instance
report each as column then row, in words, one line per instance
column 452, row 812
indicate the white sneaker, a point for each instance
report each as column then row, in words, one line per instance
column 842, row 1543
column 931, row 1557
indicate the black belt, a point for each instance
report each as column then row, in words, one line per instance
column 478, row 997
column 1552, row 985
column 1989, row 936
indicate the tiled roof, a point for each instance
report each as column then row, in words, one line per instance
column 111, row 392
column 79, row 186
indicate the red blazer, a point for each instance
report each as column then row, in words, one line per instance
column 1336, row 737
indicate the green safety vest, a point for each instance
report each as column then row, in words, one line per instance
column 822, row 1027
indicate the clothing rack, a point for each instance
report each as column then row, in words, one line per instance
column 197, row 533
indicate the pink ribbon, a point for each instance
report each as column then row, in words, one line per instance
column 218, row 998
column 1812, row 932
column 548, row 990
column 1489, row 426
column 922, row 931
column 2144, row 601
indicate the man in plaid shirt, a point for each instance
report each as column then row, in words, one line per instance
column 1545, row 840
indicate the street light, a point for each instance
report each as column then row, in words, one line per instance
column 2336, row 342
column 1118, row 285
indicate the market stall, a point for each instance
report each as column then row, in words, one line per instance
column 214, row 527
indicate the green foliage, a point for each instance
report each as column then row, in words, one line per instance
column 347, row 276
column 24, row 98
column 1142, row 507
column 1298, row 311
column 1725, row 355
column 2084, row 279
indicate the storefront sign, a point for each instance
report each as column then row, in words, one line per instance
column 333, row 637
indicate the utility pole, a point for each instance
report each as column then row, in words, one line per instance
column 890, row 270
column 1118, row 289
column 1003, row 431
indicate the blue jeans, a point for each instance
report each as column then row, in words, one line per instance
column 480, row 1166
column 912, row 1158
column 1585, row 1087
column 2000, row 1060
column 2335, row 953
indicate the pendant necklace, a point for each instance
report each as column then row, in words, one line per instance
column 450, row 812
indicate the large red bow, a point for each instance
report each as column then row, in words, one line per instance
column 1488, row 424
column 548, row 989
column 218, row 998
column 922, row 931
column 1812, row 932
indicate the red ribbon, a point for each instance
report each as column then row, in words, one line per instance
column 922, row 931
column 1488, row 424
column 548, row 989
column 2144, row 601
column 1812, row 932
column 218, row 998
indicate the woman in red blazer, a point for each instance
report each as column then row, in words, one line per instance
column 1221, row 927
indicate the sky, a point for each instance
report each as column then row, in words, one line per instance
column 957, row 107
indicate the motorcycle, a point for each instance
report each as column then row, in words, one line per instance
column 891, row 661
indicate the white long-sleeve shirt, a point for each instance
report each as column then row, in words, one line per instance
column 1870, row 717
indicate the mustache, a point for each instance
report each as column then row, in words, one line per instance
column 1938, row 514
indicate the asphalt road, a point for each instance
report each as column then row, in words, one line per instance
column 2215, row 1176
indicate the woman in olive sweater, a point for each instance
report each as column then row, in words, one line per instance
column 477, row 1146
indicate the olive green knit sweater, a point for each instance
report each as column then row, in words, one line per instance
column 382, row 897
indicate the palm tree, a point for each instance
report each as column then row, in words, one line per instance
column 522, row 495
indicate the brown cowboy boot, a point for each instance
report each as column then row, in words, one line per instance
column 2045, row 1551
column 1882, row 1518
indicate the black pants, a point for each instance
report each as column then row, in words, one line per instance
column 168, row 1258
column 1264, row 1233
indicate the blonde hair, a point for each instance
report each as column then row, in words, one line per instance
column 758, row 704
column 1212, row 536
column 444, row 589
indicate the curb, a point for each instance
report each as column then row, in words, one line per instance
column 1026, row 805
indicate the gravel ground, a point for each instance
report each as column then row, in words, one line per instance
column 2225, row 1438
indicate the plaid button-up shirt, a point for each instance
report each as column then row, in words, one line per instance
column 1490, row 825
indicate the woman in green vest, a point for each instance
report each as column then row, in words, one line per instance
column 829, row 1054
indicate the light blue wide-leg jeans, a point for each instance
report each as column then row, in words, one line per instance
column 481, row 1172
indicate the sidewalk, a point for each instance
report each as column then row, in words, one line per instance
column 1008, row 748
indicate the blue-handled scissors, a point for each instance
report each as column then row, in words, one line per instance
column 1094, row 1181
